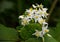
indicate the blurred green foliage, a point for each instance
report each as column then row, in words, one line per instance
column 49, row 39
column 8, row 34
column 55, row 32
column 34, row 40
column 27, row 31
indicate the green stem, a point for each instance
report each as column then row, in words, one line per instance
column 42, row 39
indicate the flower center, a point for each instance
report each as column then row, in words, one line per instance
column 37, row 34
column 29, row 14
column 41, row 21
column 31, row 9
column 24, row 21
column 36, row 16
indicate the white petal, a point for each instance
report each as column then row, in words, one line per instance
column 33, row 33
column 27, row 10
column 45, row 9
column 37, row 5
column 41, row 34
column 34, row 6
column 21, row 17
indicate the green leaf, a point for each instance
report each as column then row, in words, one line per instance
column 55, row 31
column 7, row 41
column 49, row 38
column 33, row 40
column 8, row 34
column 28, row 30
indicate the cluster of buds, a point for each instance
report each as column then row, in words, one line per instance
column 39, row 14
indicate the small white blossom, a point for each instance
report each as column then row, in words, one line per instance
column 37, row 33
column 29, row 10
column 40, row 20
column 45, row 28
column 44, row 9
column 36, row 17
column 25, row 21
column 29, row 16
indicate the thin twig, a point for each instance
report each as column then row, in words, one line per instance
column 52, row 8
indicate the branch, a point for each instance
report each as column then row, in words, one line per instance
column 52, row 8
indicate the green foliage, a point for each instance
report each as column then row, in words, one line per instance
column 55, row 32
column 34, row 40
column 49, row 39
column 8, row 34
column 7, row 41
column 46, row 39
column 27, row 31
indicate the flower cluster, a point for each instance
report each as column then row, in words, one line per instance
column 39, row 14
column 43, row 31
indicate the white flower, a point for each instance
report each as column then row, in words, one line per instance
column 43, row 14
column 40, row 12
column 29, row 10
column 38, row 33
column 45, row 28
column 36, row 17
column 44, row 9
column 25, row 21
column 40, row 20
column 31, row 14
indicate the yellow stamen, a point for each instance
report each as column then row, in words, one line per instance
column 31, row 9
column 37, row 34
column 29, row 14
column 36, row 16
column 36, row 8
column 24, row 21
column 41, row 12
column 46, row 30
column 41, row 6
